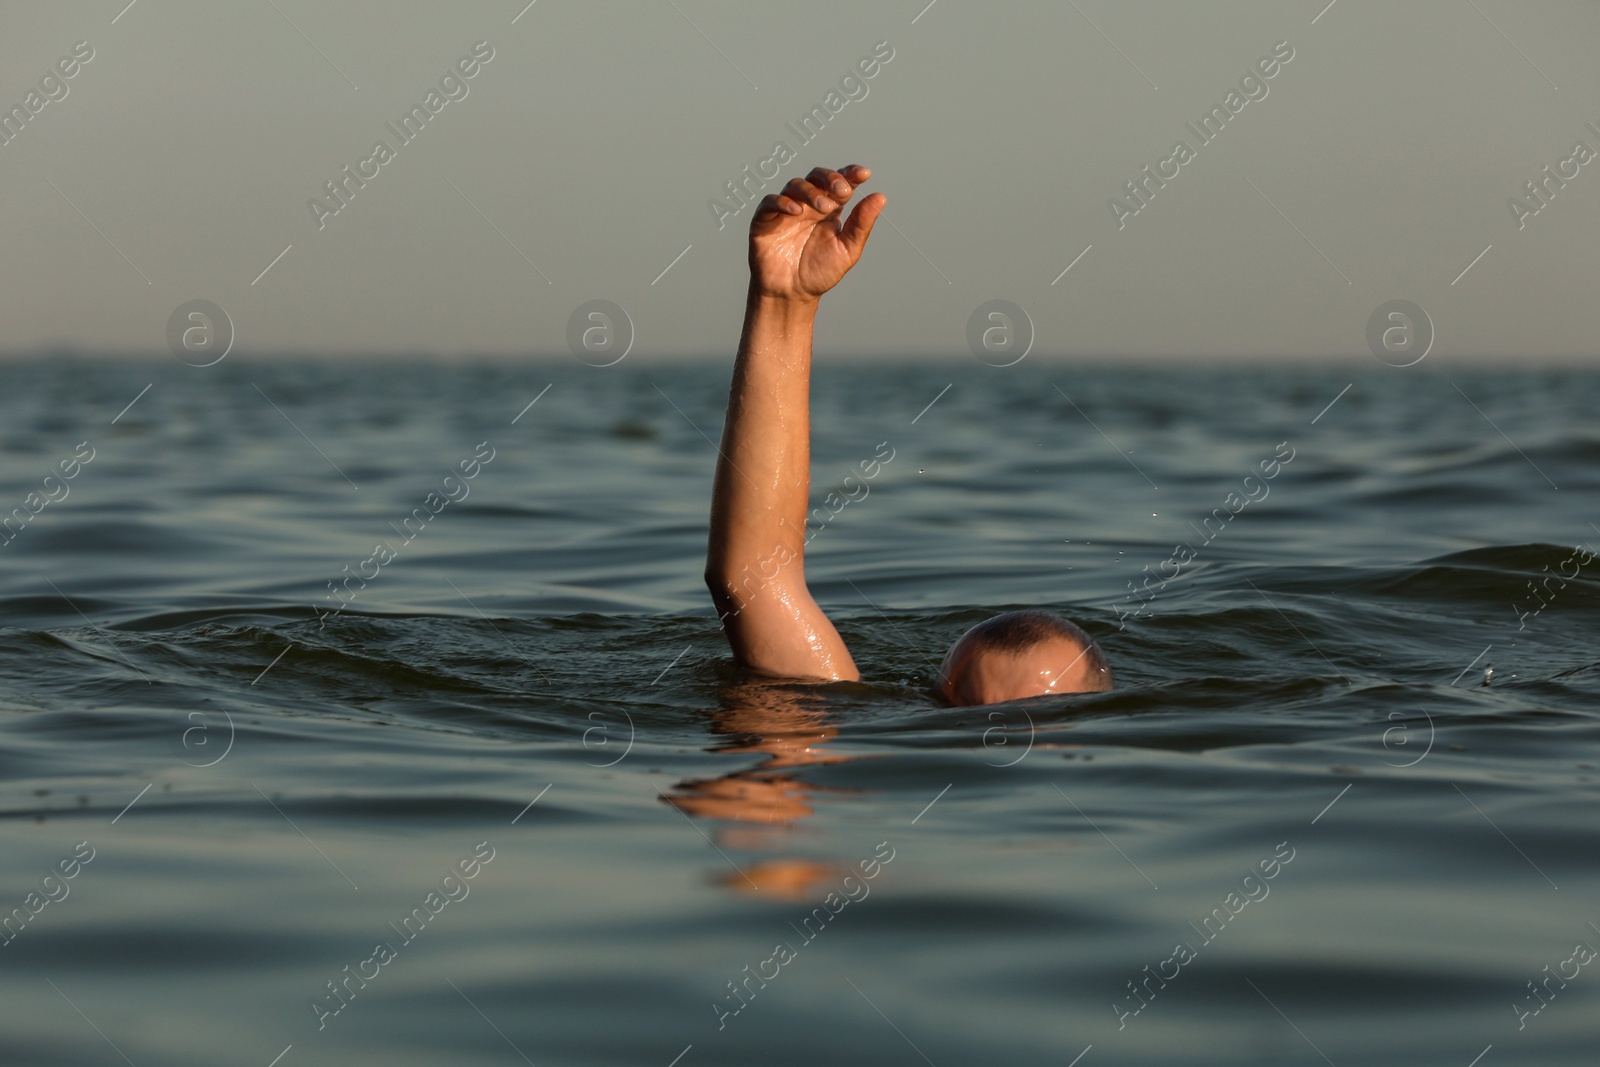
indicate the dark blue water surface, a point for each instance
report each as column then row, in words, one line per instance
column 259, row 787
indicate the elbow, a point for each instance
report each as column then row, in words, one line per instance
column 721, row 593
column 720, row 580
column 733, row 589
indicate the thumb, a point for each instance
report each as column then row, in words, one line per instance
column 858, row 227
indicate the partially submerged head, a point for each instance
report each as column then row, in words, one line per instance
column 1022, row 654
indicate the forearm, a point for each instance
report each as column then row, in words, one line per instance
column 755, row 565
column 764, row 471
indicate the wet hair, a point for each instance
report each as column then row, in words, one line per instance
column 1017, row 631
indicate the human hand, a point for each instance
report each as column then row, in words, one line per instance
column 801, row 244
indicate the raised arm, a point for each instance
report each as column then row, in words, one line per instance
column 800, row 246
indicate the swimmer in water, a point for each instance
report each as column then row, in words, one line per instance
column 801, row 245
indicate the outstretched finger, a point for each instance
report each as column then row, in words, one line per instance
column 855, row 173
column 858, row 227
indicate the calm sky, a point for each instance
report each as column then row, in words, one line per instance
column 580, row 160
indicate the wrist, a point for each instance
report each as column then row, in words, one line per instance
column 777, row 327
column 784, row 305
